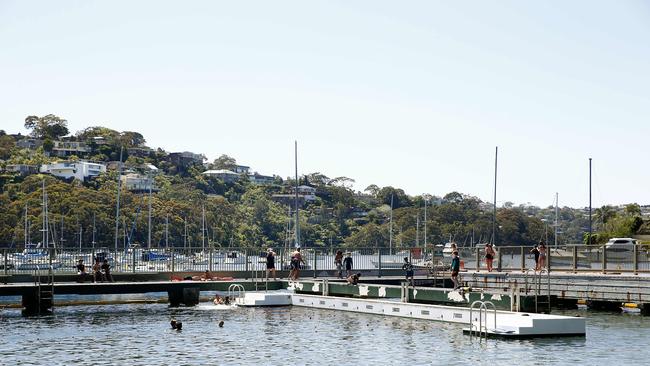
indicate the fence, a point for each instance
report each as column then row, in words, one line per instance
column 596, row 258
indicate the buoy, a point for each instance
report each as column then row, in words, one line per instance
column 462, row 265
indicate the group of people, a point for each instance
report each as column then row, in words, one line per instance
column 221, row 300
column 342, row 262
column 295, row 264
column 101, row 271
column 539, row 251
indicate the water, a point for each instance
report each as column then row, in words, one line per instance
column 140, row 335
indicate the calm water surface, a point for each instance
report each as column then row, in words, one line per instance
column 140, row 335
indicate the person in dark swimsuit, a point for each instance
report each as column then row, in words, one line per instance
column 270, row 263
column 535, row 252
column 347, row 262
column 455, row 268
column 408, row 267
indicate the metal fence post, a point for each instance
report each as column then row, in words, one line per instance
column 210, row 261
column 548, row 260
column 379, row 262
column 604, row 259
column 499, row 259
column 635, row 260
column 478, row 259
column 173, row 261
column 523, row 259
column 575, row 259
column 315, row 256
column 5, row 261
column 246, row 263
column 133, row 259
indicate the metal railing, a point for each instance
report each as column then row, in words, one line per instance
column 317, row 261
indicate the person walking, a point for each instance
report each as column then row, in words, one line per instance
column 338, row 262
column 489, row 256
column 408, row 267
column 535, row 252
column 455, row 268
column 270, row 263
column 347, row 262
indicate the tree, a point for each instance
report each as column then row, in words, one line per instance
column 132, row 139
column 633, row 209
column 6, row 144
column 224, row 162
column 47, row 126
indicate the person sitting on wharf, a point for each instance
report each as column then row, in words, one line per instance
column 106, row 271
column 81, row 271
column 354, row 279
column 97, row 272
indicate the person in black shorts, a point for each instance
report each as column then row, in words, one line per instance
column 535, row 252
column 347, row 262
column 408, row 267
column 455, row 268
column 270, row 263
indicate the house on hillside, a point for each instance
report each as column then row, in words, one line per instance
column 241, row 169
column 29, row 143
column 261, row 180
column 68, row 148
column 228, row 176
column 81, row 170
column 138, row 183
column 21, row 169
column 185, row 158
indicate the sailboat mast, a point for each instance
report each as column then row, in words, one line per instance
column 297, row 208
column 203, row 228
column 494, row 207
column 117, row 209
column 556, row 215
column 149, row 231
column 426, row 199
column 590, row 222
column 44, row 213
column 167, row 231
column 390, row 228
column 417, row 230
column 94, row 231
column 26, row 227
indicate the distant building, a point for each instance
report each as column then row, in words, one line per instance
column 241, row 169
column 22, row 169
column 140, row 152
column 28, row 143
column 309, row 193
column 68, row 148
column 80, row 170
column 262, row 180
column 186, row 158
column 138, row 183
column 227, row 176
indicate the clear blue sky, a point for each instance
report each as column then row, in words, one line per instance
column 411, row 94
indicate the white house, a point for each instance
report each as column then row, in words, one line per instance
column 309, row 193
column 80, row 170
column 138, row 183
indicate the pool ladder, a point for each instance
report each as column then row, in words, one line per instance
column 236, row 291
column 481, row 329
column 542, row 301
column 44, row 290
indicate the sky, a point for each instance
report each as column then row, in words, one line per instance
column 411, row 94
